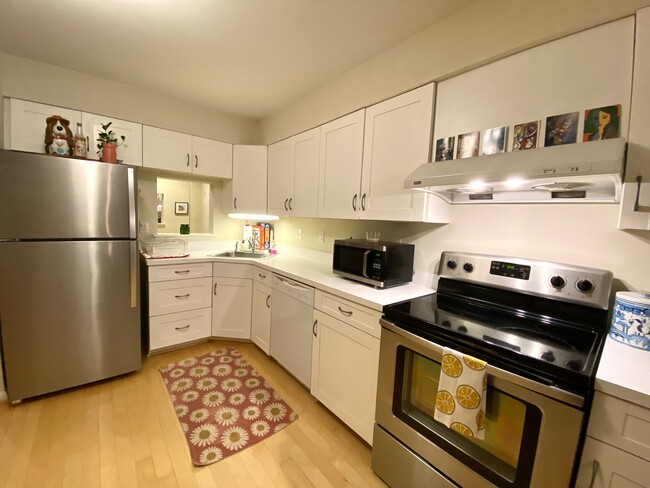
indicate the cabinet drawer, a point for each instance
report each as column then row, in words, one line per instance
column 179, row 271
column 232, row 270
column 621, row 424
column 363, row 318
column 261, row 275
column 616, row 468
column 178, row 296
column 177, row 328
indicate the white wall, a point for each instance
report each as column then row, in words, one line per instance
column 40, row 82
column 484, row 31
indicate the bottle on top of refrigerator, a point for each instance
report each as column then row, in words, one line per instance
column 80, row 149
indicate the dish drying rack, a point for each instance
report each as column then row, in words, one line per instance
column 156, row 247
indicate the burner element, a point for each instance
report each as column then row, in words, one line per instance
column 574, row 364
column 548, row 356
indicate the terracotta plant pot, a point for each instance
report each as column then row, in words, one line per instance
column 109, row 153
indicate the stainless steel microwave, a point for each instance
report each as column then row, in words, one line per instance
column 381, row 264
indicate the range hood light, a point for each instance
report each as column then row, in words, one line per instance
column 514, row 183
column 477, row 185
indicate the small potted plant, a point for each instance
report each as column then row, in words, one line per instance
column 107, row 142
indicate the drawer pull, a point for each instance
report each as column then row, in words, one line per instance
column 261, row 275
column 314, row 330
column 183, row 328
column 639, row 180
column 268, row 297
column 185, row 271
column 215, row 288
column 347, row 313
column 594, row 472
column 187, row 295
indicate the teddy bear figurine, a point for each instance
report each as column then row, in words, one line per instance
column 58, row 136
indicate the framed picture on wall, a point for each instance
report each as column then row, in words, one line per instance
column 181, row 208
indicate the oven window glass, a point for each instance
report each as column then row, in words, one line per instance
column 511, row 425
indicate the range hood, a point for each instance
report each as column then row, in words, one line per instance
column 581, row 172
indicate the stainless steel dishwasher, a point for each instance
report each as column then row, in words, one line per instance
column 292, row 316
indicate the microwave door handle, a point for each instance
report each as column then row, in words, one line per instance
column 364, row 270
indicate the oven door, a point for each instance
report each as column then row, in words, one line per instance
column 531, row 435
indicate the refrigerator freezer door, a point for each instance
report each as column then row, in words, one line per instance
column 46, row 197
column 69, row 313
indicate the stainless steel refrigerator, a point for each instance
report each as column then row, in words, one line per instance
column 69, row 288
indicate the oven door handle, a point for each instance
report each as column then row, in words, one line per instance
column 436, row 355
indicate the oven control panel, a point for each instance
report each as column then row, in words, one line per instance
column 576, row 284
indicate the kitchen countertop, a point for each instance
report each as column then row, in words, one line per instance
column 623, row 373
column 314, row 270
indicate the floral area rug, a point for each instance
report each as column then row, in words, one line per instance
column 223, row 404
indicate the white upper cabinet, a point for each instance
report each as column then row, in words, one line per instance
column 635, row 202
column 305, row 148
column 25, row 123
column 211, row 158
column 397, row 140
column 341, row 150
column 293, row 175
column 175, row 151
column 280, row 177
column 246, row 192
column 129, row 152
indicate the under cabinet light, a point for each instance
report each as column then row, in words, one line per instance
column 256, row 217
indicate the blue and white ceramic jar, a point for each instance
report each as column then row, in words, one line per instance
column 631, row 319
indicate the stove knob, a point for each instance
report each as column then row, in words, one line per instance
column 585, row 286
column 548, row 356
column 451, row 264
column 557, row 281
column 574, row 365
column 469, row 267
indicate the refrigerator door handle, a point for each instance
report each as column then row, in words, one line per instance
column 132, row 214
column 133, row 272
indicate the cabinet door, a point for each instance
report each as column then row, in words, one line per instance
column 248, row 186
column 25, row 130
column 166, row 149
column 345, row 363
column 280, row 175
column 231, row 307
column 614, row 468
column 211, row 158
column 341, row 150
column 638, row 148
column 306, row 156
column 130, row 151
column 261, row 320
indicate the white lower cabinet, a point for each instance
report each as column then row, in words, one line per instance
column 345, row 363
column 180, row 304
column 232, row 293
column 617, row 449
column 261, row 315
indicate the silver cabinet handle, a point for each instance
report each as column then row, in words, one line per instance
column 234, row 202
column 183, row 328
column 183, row 297
column 261, row 275
column 215, row 288
column 314, row 330
column 196, row 161
column 639, row 179
column 286, row 200
column 347, row 313
column 268, row 297
column 594, row 472
column 290, row 200
column 354, row 202
column 188, row 160
column 185, row 271
column 363, row 202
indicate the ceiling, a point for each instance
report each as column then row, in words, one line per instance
column 245, row 57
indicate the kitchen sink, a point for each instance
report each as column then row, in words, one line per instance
column 239, row 254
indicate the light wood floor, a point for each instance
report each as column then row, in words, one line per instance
column 124, row 433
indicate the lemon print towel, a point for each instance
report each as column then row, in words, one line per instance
column 460, row 401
